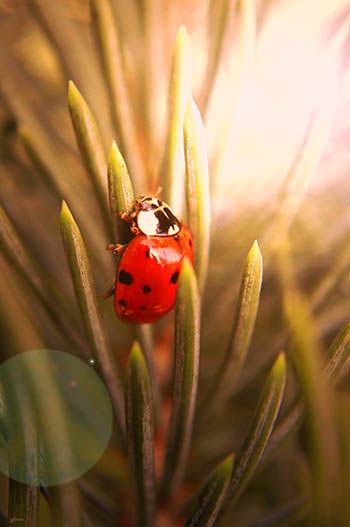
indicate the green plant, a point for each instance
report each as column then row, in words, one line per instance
column 262, row 374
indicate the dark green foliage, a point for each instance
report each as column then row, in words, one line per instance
column 271, row 401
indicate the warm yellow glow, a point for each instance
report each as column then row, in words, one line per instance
column 294, row 72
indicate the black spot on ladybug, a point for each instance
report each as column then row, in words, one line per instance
column 190, row 242
column 143, row 308
column 148, row 253
column 125, row 277
column 174, row 277
column 146, row 289
column 122, row 303
column 176, row 238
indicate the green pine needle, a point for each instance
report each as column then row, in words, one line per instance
column 38, row 280
column 337, row 356
column 90, row 146
column 212, row 496
column 197, row 189
column 121, row 193
column 87, row 300
column 173, row 167
column 242, row 332
column 106, row 30
column 185, row 379
column 140, row 437
column 260, row 429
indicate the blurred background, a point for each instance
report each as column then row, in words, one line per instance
column 294, row 64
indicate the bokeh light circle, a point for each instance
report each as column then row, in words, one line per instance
column 56, row 417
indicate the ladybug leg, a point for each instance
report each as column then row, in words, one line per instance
column 125, row 216
column 110, row 291
column 117, row 248
column 134, row 228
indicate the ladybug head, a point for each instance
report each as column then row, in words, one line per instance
column 153, row 217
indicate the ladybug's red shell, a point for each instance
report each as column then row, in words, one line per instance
column 148, row 275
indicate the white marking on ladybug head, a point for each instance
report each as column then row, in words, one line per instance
column 155, row 218
column 147, row 222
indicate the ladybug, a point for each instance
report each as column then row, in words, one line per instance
column 150, row 264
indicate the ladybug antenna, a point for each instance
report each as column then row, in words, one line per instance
column 158, row 192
